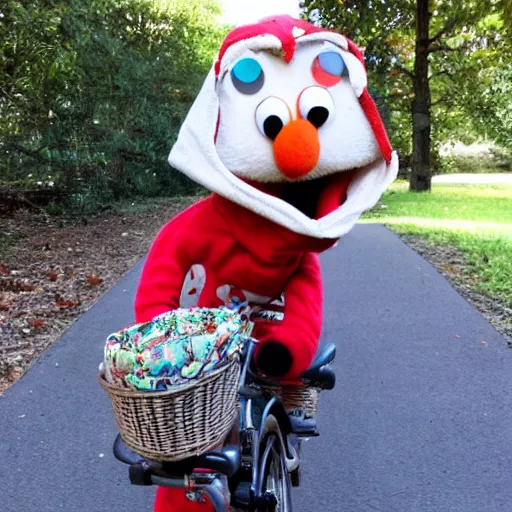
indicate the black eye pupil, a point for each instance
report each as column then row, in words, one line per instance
column 317, row 116
column 272, row 126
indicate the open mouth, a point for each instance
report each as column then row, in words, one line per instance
column 314, row 198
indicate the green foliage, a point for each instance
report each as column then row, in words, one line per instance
column 470, row 63
column 497, row 161
column 93, row 92
column 477, row 219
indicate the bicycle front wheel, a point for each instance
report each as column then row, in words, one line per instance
column 275, row 479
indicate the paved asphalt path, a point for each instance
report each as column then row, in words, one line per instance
column 420, row 421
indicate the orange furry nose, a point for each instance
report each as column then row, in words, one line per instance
column 297, row 149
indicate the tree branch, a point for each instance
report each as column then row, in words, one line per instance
column 471, row 18
column 445, row 48
column 445, row 30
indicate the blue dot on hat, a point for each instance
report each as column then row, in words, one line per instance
column 247, row 75
column 247, row 70
column 332, row 63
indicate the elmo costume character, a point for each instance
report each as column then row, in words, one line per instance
column 287, row 138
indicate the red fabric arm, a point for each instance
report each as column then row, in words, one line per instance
column 164, row 271
column 300, row 330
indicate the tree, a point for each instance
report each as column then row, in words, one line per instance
column 93, row 92
column 421, row 104
column 426, row 57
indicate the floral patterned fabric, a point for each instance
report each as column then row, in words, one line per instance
column 174, row 348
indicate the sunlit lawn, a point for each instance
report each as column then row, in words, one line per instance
column 477, row 219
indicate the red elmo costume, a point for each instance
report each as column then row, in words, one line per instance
column 286, row 136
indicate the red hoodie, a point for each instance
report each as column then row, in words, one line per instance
column 242, row 254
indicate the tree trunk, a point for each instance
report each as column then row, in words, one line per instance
column 421, row 173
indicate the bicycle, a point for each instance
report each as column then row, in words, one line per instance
column 256, row 469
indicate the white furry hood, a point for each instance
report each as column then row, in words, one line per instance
column 195, row 153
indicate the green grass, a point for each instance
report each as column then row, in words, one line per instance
column 477, row 219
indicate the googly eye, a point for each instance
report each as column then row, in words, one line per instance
column 247, row 76
column 271, row 115
column 329, row 68
column 316, row 105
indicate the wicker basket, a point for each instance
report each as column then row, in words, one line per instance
column 297, row 397
column 184, row 422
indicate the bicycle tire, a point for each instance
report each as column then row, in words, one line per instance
column 274, row 476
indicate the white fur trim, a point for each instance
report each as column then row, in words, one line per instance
column 195, row 155
column 356, row 73
column 332, row 37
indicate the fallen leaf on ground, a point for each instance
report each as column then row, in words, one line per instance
column 449, row 268
column 15, row 373
column 94, row 280
column 16, row 285
column 58, row 279
column 36, row 324
column 66, row 304
column 70, row 273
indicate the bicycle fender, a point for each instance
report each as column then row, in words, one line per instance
column 275, row 408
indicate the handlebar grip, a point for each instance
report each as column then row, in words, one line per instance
column 140, row 474
column 162, row 481
column 327, row 378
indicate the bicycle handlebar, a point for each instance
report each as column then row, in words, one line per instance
column 319, row 374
